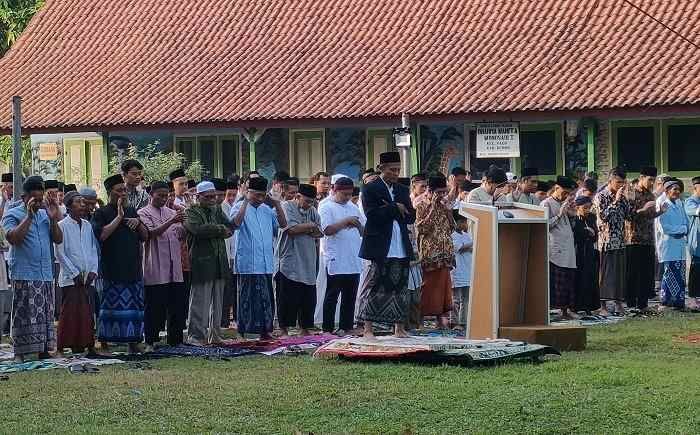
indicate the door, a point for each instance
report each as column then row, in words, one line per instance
column 84, row 162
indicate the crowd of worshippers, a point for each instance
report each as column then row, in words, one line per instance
column 194, row 258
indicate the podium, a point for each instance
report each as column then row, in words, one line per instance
column 509, row 295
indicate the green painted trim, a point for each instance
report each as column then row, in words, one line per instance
column 664, row 145
column 655, row 123
column 415, row 133
column 558, row 139
column 590, row 147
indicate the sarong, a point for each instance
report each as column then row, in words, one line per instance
column 613, row 275
column 640, row 275
column 460, row 302
column 415, row 288
column 436, row 297
column 32, row 317
column 255, row 313
column 121, row 312
column 75, row 323
column 694, row 279
column 673, row 284
column 562, row 287
column 384, row 295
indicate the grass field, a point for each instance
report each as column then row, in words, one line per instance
column 633, row 378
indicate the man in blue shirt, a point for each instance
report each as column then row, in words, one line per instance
column 257, row 224
column 31, row 229
column 692, row 208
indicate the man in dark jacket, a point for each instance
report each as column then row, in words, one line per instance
column 386, row 243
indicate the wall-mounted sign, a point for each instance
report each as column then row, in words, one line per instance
column 48, row 151
column 497, row 140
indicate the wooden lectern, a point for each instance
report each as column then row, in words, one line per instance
column 509, row 295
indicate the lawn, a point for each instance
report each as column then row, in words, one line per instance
column 633, row 378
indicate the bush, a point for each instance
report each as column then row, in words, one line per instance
column 156, row 163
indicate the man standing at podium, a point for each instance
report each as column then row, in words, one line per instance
column 386, row 243
column 489, row 191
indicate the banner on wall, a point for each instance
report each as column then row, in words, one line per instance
column 48, row 151
column 497, row 140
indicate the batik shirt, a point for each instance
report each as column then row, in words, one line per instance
column 639, row 230
column 435, row 224
column 137, row 198
column 611, row 218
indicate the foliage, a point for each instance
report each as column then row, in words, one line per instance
column 14, row 17
column 157, row 164
column 633, row 378
column 6, row 152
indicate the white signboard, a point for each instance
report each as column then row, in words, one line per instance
column 497, row 140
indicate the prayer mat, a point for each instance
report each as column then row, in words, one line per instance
column 54, row 363
column 272, row 347
column 432, row 349
column 199, row 351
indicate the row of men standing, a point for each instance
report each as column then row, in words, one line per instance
column 155, row 248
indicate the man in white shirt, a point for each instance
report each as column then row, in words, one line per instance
column 78, row 264
column 342, row 225
column 386, row 244
column 229, row 301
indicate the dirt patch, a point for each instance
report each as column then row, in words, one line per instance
column 688, row 339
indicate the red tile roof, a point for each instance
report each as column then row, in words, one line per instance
column 91, row 63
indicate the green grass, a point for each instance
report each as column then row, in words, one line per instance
column 633, row 378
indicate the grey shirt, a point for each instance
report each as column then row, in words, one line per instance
column 297, row 254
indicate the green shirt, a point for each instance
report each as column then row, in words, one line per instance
column 206, row 230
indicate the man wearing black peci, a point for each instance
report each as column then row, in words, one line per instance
column 386, row 243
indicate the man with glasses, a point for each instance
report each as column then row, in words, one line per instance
column 132, row 171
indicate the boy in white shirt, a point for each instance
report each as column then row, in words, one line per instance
column 461, row 274
column 342, row 225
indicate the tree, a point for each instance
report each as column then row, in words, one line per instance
column 156, row 164
column 6, row 153
column 14, row 17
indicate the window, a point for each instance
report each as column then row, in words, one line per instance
column 378, row 141
column 207, row 155
column 538, row 149
column 635, row 147
column 217, row 154
column 684, row 147
column 229, row 155
column 478, row 167
column 308, row 155
column 186, row 147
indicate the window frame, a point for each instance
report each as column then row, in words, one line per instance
column 217, row 171
column 293, row 151
column 370, row 133
column 614, row 125
column 665, row 124
column 558, row 129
